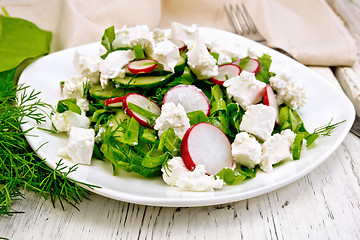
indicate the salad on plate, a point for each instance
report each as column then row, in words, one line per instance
column 169, row 104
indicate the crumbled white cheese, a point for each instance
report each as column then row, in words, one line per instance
column 227, row 51
column 201, row 62
column 137, row 35
column 64, row 121
column 277, row 148
column 187, row 34
column 80, row 145
column 83, row 104
column 160, row 35
column 259, row 120
column 246, row 150
column 172, row 116
column 113, row 65
column 255, row 52
column 167, row 53
column 245, row 89
column 74, row 86
column 176, row 174
column 288, row 91
column 88, row 66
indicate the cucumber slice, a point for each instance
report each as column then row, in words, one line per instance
column 144, row 81
column 97, row 92
column 179, row 68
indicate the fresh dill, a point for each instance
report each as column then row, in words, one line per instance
column 327, row 129
column 21, row 170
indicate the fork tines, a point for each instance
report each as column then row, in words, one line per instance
column 241, row 21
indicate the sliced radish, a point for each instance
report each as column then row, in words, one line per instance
column 142, row 66
column 180, row 44
column 206, row 144
column 114, row 102
column 190, row 97
column 252, row 66
column 144, row 103
column 270, row 100
column 226, row 71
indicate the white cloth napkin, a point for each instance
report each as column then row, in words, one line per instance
column 76, row 22
column 308, row 29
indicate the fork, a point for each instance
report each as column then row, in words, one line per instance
column 243, row 25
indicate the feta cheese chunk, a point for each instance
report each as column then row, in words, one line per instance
column 227, row 51
column 187, row 34
column 80, row 145
column 288, row 91
column 200, row 61
column 113, row 65
column 160, row 35
column 246, row 150
column 277, row 148
column 74, row 87
column 176, row 174
column 64, row 121
column 245, row 89
column 88, row 66
column 172, row 116
column 137, row 35
column 83, row 104
column 259, row 120
column 167, row 53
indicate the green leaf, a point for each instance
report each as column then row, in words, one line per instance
column 20, row 40
column 249, row 173
column 297, row 145
column 148, row 135
column 234, row 115
column 187, row 78
column 154, row 158
column 108, row 38
column 170, row 141
column 264, row 74
column 243, row 62
column 230, row 177
column 196, row 117
column 131, row 134
column 68, row 104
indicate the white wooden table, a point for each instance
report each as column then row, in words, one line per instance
column 324, row 204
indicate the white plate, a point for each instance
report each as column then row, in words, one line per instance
column 325, row 102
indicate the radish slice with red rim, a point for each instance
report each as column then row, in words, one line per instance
column 252, row 66
column 179, row 43
column 114, row 102
column 226, row 72
column 207, row 145
column 190, row 97
column 146, row 111
column 269, row 99
column 142, row 66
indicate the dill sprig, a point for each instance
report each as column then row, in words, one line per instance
column 327, row 129
column 21, row 170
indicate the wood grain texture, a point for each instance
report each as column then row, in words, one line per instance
column 324, row 204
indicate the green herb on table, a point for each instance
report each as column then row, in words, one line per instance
column 21, row 170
